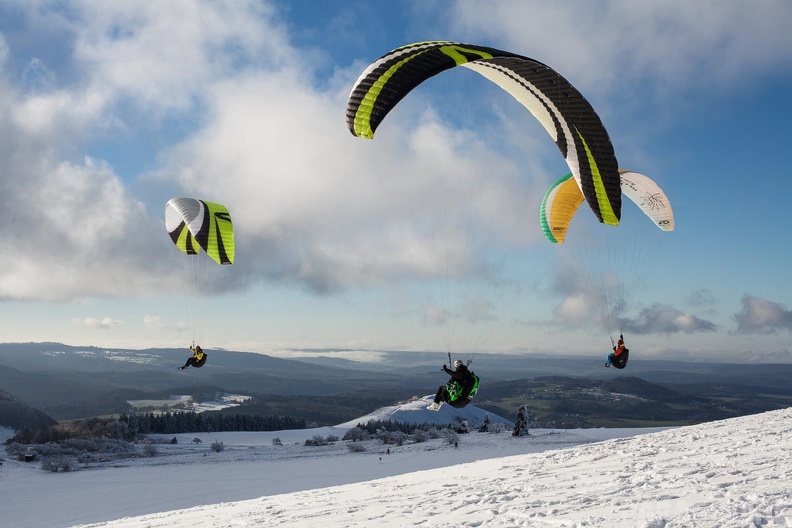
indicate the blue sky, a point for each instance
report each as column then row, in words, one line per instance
column 109, row 109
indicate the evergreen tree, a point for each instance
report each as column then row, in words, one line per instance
column 521, row 423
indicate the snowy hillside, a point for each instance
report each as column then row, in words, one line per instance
column 732, row 473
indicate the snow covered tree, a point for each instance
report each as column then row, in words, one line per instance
column 420, row 436
column 355, row 434
column 497, row 428
column 485, row 426
column 451, row 436
column 521, row 422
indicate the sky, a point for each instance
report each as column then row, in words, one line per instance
column 424, row 238
column 728, row 473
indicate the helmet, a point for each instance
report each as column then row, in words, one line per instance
column 457, row 363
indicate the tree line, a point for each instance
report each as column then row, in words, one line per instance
column 128, row 427
column 193, row 422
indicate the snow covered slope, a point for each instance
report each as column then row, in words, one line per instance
column 730, row 473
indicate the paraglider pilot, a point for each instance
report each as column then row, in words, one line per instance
column 197, row 360
column 459, row 390
column 618, row 358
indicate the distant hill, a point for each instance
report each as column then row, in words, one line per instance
column 70, row 382
column 627, row 401
column 18, row 416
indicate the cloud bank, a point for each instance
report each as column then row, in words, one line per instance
column 761, row 316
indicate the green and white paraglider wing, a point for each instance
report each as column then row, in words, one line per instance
column 197, row 224
column 563, row 111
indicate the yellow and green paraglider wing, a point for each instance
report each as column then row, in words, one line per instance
column 563, row 111
column 194, row 224
column 559, row 205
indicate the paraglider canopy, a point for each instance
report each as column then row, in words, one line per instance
column 197, row 224
column 563, row 198
column 563, row 112
column 194, row 225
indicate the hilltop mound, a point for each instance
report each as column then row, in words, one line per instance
column 415, row 411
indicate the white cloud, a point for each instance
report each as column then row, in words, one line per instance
column 94, row 322
column 573, row 310
column 664, row 319
column 164, row 55
column 73, row 231
column 267, row 143
column 762, row 316
column 601, row 44
column 328, row 210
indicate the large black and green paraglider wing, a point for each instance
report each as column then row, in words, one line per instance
column 560, row 108
column 197, row 224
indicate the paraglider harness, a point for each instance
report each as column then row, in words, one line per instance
column 620, row 361
column 199, row 355
column 469, row 388
column 460, row 394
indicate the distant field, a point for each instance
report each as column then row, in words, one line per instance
column 185, row 402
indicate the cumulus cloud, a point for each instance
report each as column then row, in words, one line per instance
column 665, row 319
column 674, row 42
column 94, row 322
column 573, row 310
column 163, row 57
column 312, row 205
column 73, row 230
column 327, row 210
column 761, row 316
column 72, row 226
column 595, row 299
